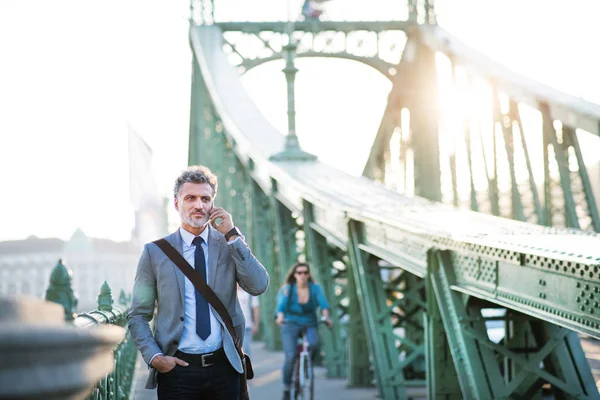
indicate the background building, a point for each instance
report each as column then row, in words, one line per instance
column 26, row 265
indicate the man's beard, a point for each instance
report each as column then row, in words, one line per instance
column 194, row 222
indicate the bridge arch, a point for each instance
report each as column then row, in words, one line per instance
column 387, row 69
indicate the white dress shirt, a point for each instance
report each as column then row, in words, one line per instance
column 248, row 303
column 190, row 341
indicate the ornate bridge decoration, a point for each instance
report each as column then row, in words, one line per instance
column 378, row 45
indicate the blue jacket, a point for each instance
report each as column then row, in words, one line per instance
column 301, row 314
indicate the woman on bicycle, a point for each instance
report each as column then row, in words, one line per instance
column 297, row 303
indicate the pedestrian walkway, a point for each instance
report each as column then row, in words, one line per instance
column 266, row 384
column 267, row 380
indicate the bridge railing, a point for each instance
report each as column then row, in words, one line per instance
column 48, row 351
column 45, row 355
column 116, row 384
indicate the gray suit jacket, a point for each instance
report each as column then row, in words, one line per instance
column 158, row 282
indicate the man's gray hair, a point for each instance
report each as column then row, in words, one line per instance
column 196, row 174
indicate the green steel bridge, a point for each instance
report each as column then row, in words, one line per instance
column 417, row 281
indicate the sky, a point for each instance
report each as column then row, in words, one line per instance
column 74, row 74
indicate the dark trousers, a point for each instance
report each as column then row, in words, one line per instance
column 195, row 382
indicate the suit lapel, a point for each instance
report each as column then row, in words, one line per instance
column 214, row 247
column 177, row 242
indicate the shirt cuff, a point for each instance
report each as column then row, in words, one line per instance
column 150, row 363
column 233, row 240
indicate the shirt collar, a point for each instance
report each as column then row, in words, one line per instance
column 188, row 237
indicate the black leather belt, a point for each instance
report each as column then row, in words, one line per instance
column 203, row 360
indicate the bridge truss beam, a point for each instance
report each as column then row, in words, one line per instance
column 330, row 278
column 550, row 354
column 374, row 309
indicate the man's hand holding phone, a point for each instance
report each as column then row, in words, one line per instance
column 226, row 222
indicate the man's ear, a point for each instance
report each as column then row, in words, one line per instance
column 176, row 203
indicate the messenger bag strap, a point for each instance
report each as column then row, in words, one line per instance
column 205, row 290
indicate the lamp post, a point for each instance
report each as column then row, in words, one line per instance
column 292, row 150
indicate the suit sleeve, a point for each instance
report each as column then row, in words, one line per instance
column 251, row 274
column 142, row 308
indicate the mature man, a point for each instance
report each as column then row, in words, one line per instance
column 191, row 354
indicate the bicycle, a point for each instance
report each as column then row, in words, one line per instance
column 303, row 382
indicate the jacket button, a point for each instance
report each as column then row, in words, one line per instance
column 175, row 342
column 181, row 318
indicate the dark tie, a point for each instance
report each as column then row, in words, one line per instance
column 202, row 312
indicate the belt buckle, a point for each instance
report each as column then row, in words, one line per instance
column 204, row 363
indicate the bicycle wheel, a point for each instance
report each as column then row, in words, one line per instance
column 310, row 384
column 295, row 386
column 306, row 381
